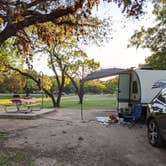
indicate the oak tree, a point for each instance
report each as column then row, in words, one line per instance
column 18, row 15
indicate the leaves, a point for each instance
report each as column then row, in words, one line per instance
column 16, row 15
column 157, row 61
column 154, row 38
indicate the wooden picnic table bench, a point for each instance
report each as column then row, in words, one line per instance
column 32, row 105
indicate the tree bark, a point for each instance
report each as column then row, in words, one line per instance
column 61, row 87
column 51, row 95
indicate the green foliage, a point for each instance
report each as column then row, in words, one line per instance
column 69, row 88
column 111, row 86
column 30, row 84
column 70, row 16
column 95, row 87
column 154, row 38
column 12, row 82
column 82, row 65
column 47, row 82
column 157, row 61
column 9, row 54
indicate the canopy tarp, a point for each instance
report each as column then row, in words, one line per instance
column 103, row 73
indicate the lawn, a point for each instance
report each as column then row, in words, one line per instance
column 90, row 102
column 71, row 101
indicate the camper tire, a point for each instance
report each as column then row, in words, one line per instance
column 154, row 136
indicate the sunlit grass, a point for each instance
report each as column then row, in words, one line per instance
column 5, row 101
column 90, row 102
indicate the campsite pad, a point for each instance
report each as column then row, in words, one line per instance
column 62, row 139
column 21, row 115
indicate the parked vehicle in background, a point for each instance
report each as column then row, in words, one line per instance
column 156, row 117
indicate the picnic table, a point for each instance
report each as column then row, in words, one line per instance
column 21, row 105
column 20, row 102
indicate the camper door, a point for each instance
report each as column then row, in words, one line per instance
column 123, row 90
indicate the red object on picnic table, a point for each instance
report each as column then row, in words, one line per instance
column 19, row 102
column 22, row 101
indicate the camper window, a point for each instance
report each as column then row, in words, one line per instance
column 135, row 88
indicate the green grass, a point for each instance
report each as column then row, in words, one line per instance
column 16, row 158
column 90, row 102
column 3, row 136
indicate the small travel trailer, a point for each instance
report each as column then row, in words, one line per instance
column 134, row 86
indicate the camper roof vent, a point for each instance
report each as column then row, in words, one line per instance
column 146, row 68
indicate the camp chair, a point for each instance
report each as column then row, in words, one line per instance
column 135, row 115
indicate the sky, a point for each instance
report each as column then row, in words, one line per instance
column 114, row 53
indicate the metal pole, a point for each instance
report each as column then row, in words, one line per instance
column 42, row 87
column 42, row 90
column 81, row 97
column 82, row 118
column 42, row 98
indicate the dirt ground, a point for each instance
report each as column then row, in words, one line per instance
column 62, row 139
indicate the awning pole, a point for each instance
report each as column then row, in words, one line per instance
column 81, row 96
column 82, row 118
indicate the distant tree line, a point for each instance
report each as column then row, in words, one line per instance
column 16, row 83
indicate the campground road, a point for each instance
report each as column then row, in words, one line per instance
column 61, row 139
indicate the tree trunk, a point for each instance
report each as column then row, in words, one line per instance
column 59, row 99
column 51, row 95
column 79, row 88
column 81, row 96
column 60, row 89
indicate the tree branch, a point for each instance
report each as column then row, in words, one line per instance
column 53, row 68
column 70, row 23
column 23, row 73
column 12, row 29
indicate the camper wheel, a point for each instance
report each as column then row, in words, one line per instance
column 154, row 136
column 144, row 113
